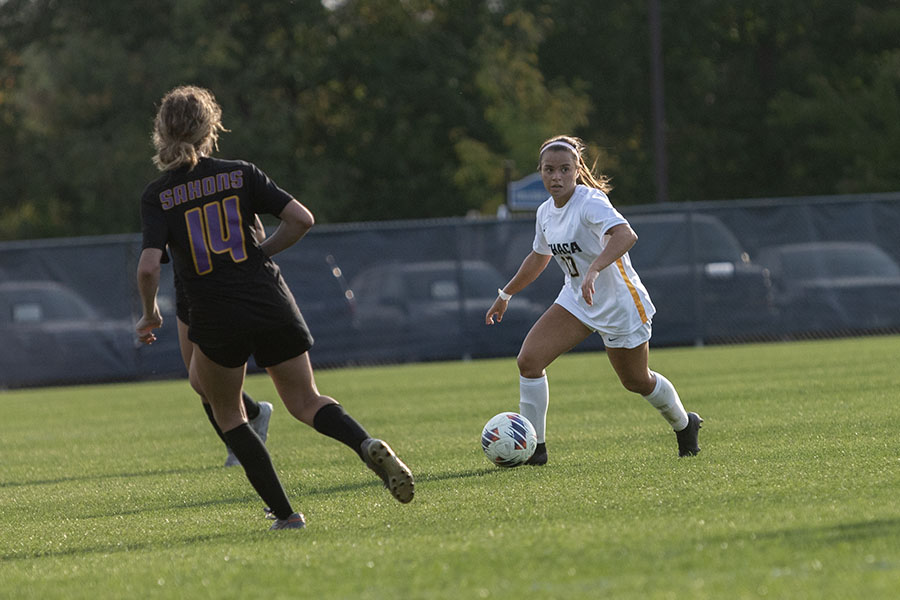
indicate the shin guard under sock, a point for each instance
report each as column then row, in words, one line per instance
column 332, row 420
column 250, row 406
column 665, row 399
column 254, row 457
column 534, row 398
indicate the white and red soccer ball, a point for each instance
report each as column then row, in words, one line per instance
column 508, row 439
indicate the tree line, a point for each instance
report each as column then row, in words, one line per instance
column 399, row 109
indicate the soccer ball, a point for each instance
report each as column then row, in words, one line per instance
column 508, row 439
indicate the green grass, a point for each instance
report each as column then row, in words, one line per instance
column 117, row 491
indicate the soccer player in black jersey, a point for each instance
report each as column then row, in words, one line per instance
column 203, row 209
column 258, row 413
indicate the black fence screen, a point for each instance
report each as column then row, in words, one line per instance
column 374, row 293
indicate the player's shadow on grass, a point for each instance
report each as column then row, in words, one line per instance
column 836, row 532
column 302, row 491
column 145, row 508
column 419, row 478
column 102, row 476
column 118, row 547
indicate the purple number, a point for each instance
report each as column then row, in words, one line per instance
column 217, row 229
column 226, row 235
column 197, row 234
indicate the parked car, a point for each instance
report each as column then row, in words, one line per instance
column 52, row 335
column 322, row 295
column 827, row 286
column 327, row 303
column 719, row 294
column 435, row 310
column 709, row 290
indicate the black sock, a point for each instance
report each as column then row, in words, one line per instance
column 332, row 420
column 257, row 463
column 212, row 419
column 251, row 406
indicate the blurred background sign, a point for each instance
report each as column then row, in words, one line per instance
column 527, row 193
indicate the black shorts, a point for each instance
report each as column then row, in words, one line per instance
column 268, row 347
column 182, row 306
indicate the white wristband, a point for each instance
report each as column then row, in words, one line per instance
column 503, row 295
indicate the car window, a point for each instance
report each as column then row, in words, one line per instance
column 27, row 312
column 444, row 289
column 659, row 244
column 419, row 282
column 665, row 242
column 838, row 262
column 373, row 285
column 715, row 243
column 482, row 282
column 38, row 304
column 439, row 284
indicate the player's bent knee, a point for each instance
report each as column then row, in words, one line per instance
column 638, row 386
column 304, row 407
column 529, row 367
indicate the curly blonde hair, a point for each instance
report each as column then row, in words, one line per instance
column 186, row 127
column 586, row 174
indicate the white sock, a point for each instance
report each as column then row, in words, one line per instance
column 665, row 399
column 534, row 397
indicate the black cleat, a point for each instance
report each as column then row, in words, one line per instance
column 687, row 437
column 539, row 458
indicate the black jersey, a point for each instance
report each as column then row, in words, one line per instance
column 205, row 216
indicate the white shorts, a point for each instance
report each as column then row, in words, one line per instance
column 611, row 339
column 632, row 340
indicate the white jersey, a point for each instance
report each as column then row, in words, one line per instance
column 575, row 235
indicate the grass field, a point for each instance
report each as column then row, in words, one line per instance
column 117, row 491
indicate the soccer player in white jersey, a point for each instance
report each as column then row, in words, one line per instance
column 580, row 228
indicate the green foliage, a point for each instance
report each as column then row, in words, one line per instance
column 835, row 122
column 117, row 491
column 733, row 71
column 520, row 108
column 378, row 109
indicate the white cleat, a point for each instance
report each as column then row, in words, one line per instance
column 260, row 425
column 396, row 476
column 295, row 521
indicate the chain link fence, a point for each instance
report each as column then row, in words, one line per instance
column 373, row 293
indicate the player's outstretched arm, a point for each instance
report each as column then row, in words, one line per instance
column 533, row 265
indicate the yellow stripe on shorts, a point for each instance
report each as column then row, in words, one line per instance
column 633, row 291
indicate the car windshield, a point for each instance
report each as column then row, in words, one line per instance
column 442, row 283
column 665, row 242
column 36, row 304
column 838, row 262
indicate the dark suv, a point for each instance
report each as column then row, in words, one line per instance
column 704, row 288
column 52, row 335
column 435, row 310
column 834, row 286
